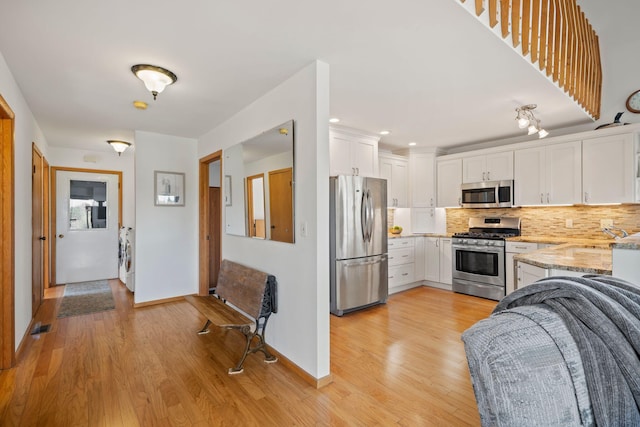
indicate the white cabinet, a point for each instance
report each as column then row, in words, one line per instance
column 609, row 169
column 527, row 274
column 432, row 259
column 489, row 167
column 395, row 170
column 446, row 261
column 549, row 174
column 423, row 180
column 449, row 179
column 401, row 256
column 511, row 249
column 438, row 260
column 352, row 153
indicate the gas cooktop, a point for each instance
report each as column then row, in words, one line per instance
column 491, row 228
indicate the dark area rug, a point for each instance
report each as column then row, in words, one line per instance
column 85, row 298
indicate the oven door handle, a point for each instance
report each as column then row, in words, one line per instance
column 488, row 249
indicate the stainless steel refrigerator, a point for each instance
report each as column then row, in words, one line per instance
column 358, row 243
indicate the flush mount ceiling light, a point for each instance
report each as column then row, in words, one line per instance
column 119, row 145
column 334, row 120
column 385, row 132
column 155, row 78
column 527, row 120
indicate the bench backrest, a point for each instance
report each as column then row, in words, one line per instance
column 242, row 286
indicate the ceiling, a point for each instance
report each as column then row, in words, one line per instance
column 426, row 70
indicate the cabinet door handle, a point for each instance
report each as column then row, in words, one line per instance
column 489, row 176
column 483, row 176
column 586, row 197
column 541, row 198
column 459, row 201
column 357, row 171
column 437, row 243
column 548, row 198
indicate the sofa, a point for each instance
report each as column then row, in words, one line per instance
column 560, row 352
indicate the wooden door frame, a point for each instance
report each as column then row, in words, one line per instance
column 205, row 228
column 54, row 170
column 43, row 214
column 46, row 227
column 7, row 237
column 249, row 192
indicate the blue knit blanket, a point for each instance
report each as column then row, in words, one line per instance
column 602, row 314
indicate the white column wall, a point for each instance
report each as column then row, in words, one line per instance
column 26, row 132
column 300, row 329
column 166, row 237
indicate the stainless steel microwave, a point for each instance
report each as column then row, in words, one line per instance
column 487, row 194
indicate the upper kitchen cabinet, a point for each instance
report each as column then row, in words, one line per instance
column 548, row 175
column 449, row 180
column 489, row 167
column 609, row 169
column 395, row 169
column 423, row 180
column 353, row 153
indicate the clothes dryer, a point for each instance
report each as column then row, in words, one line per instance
column 129, row 259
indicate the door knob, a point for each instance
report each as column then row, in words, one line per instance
column 42, row 238
column 61, row 235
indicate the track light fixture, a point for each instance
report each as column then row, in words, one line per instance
column 155, row 78
column 527, row 120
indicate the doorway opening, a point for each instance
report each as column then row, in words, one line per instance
column 210, row 218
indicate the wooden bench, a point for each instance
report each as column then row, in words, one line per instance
column 253, row 293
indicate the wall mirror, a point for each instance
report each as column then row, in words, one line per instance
column 258, row 186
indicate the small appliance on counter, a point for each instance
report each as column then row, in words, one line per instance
column 358, row 243
column 479, row 256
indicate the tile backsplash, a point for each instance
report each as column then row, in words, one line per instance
column 552, row 221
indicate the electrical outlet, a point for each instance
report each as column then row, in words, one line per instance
column 568, row 223
column 606, row 223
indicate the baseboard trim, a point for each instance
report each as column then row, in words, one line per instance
column 157, row 301
column 317, row 383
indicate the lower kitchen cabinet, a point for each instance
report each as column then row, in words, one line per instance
column 511, row 249
column 401, row 257
column 438, row 260
column 528, row 274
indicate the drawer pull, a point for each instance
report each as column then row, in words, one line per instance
column 405, row 274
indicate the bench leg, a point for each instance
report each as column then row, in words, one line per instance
column 205, row 328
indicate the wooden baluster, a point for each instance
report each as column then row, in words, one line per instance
column 504, row 18
column 515, row 22
column 526, row 21
column 535, row 30
column 493, row 13
column 551, row 37
column 479, row 7
column 557, row 37
column 570, row 79
column 544, row 19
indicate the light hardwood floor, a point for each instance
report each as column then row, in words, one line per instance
column 398, row 364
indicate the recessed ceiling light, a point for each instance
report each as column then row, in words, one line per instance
column 411, row 144
column 385, row 132
column 334, row 120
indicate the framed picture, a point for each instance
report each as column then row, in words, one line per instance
column 168, row 188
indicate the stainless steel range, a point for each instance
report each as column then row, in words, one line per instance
column 479, row 256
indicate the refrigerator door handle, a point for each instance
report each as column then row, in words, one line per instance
column 371, row 213
column 363, row 217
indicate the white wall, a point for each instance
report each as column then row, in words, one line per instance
column 300, row 329
column 26, row 132
column 72, row 158
column 166, row 246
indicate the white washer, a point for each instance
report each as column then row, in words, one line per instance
column 122, row 240
column 129, row 257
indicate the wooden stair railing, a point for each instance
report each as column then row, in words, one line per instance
column 557, row 35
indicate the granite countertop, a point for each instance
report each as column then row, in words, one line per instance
column 594, row 258
column 561, row 240
column 631, row 242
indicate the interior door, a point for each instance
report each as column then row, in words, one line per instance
column 215, row 222
column 37, row 233
column 281, row 205
column 87, row 216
